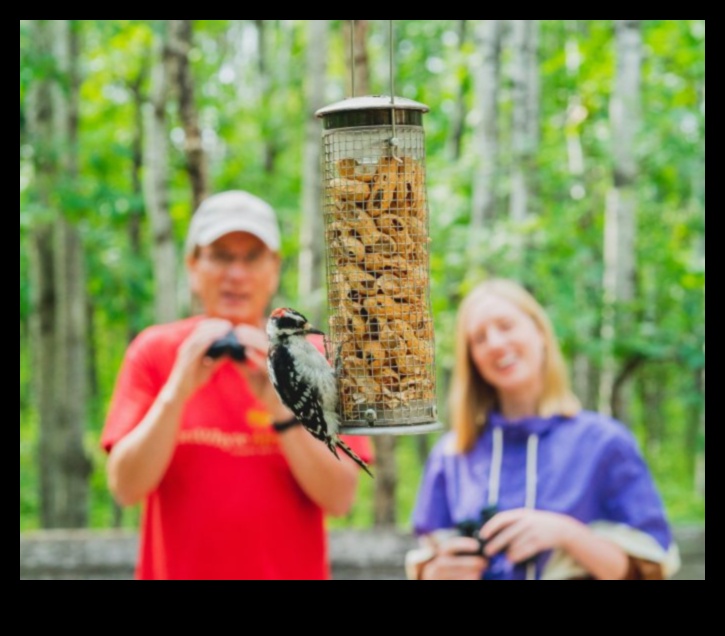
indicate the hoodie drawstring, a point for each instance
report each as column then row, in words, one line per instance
column 532, row 456
column 532, row 471
column 497, row 459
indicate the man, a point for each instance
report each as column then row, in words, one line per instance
column 231, row 487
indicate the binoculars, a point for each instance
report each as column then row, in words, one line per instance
column 471, row 527
column 227, row 346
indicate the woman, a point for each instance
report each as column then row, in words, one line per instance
column 567, row 491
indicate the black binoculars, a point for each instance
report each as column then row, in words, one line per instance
column 227, row 346
column 471, row 527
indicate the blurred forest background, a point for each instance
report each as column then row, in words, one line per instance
column 569, row 154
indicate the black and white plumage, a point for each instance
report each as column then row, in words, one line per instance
column 304, row 380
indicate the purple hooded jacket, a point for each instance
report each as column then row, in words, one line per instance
column 588, row 467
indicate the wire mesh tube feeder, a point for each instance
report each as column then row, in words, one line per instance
column 378, row 265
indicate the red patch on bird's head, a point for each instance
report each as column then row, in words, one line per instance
column 279, row 312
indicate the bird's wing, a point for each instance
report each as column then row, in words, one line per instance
column 297, row 394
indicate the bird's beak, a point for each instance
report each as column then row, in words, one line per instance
column 310, row 329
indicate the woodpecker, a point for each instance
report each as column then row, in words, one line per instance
column 304, row 380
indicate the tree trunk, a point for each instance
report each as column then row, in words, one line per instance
column 488, row 43
column 71, row 386
column 386, row 473
column 620, row 396
column 652, row 385
column 585, row 385
column 525, row 129
column 43, row 301
column 72, row 373
column 94, row 389
column 136, row 213
column 43, row 354
column 266, row 80
column 180, row 44
column 386, row 481
column 423, row 448
column 576, row 113
column 358, row 60
column 311, row 259
column 458, row 122
column 60, row 371
column 619, row 240
column 157, row 181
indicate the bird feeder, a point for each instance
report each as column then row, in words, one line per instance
column 378, row 265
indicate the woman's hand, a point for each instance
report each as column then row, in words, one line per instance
column 524, row 533
column 456, row 561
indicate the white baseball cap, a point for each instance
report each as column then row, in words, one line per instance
column 233, row 211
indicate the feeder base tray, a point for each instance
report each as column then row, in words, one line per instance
column 417, row 429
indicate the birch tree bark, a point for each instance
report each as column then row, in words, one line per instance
column 311, row 260
column 525, row 130
column 60, row 373
column 585, row 374
column 157, row 181
column 620, row 223
column 180, row 45
column 72, row 371
column 488, row 43
column 42, row 316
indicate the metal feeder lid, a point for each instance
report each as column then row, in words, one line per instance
column 372, row 111
column 372, row 102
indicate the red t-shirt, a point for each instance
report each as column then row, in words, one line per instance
column 228, row 506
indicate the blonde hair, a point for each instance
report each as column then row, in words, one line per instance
column 471, row 398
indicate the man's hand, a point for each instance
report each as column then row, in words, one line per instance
column 254, row 369
column 192, row 368
column 140, row 459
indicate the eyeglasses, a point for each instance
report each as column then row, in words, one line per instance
column 221, row 259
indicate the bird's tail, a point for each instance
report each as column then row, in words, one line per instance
column 353, row 456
